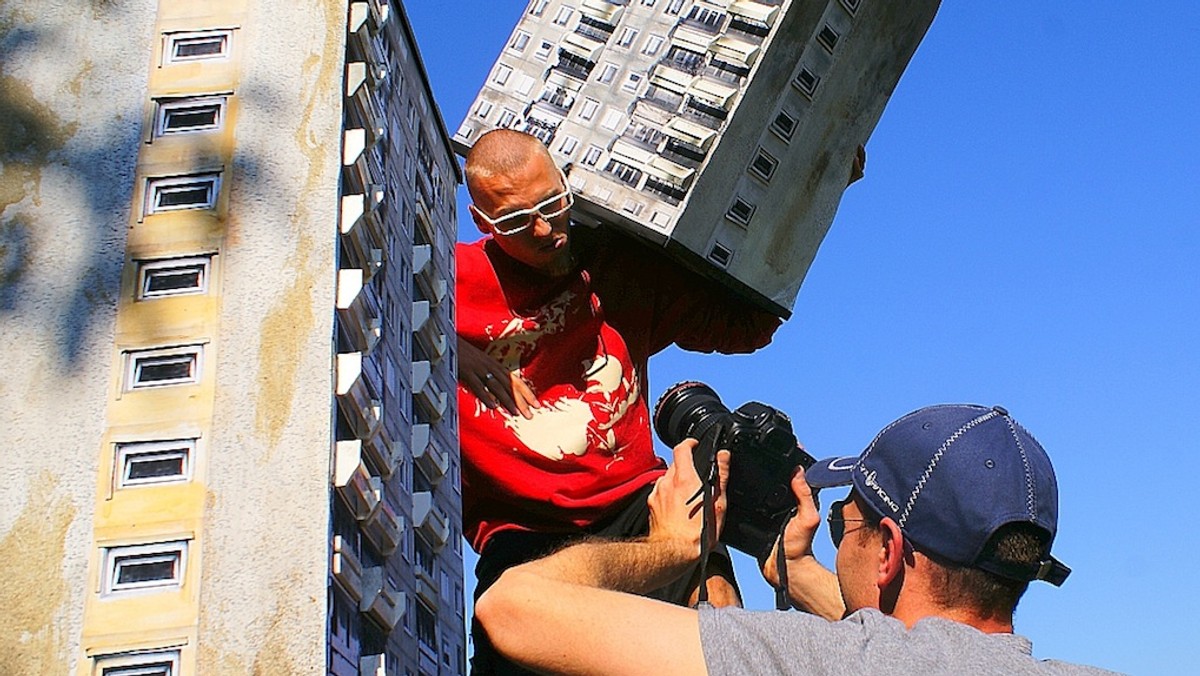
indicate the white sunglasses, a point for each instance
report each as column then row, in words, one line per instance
column 507, row 224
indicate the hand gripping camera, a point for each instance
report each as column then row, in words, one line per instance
column 763, row 455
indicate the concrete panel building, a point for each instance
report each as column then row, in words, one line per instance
column 226, row 273
column 722, row 129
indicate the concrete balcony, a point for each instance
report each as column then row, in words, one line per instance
column 426, row 392
column 427, row 588
column 384, row 528
column 381, row 599
column 353, row 481
column 361, row 408
column 430, row 519
column 433, row 461
column 381, row 451
column 362, row 230
column 347, row 569
column 358, row 311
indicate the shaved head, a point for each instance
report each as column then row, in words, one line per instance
column 501, row 152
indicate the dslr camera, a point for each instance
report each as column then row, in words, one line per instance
column 763, row 456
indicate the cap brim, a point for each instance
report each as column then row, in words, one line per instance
column 831, row 472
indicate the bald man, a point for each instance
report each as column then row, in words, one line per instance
column 556, row 326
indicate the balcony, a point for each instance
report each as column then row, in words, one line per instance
column 384, row 528
column 381, row 600
column 353, row 481
column 422, row 254
column 430, row 519
column 420, row 315
column 426, row 392
column 433, row 461
column 346, row 568
column 427, row 588
column 357, row 311
column 361, row 408
column 373, row 665
column 381, row 452
column 362, row 231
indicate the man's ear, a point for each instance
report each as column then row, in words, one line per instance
column 891, row 556
column 483, row 225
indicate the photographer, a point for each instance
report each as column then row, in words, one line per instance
column 952, row 513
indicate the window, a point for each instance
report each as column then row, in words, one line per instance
column 674, row 7
column 632, row 82
column 173, row 277
column 740, row 212
column 851, row 6
column 806, row 82
column 507, row 119
column 607, row 73
column 160, row 368
column 720, row 255
column 653, row 44
column 180, row 116
column 612, row 120
column 483, row 109
column 519, row 41
column 828, row 38
column 648, row 3
column 624, row 173
column 143, row 567
column 763, row 165
column 502, row 74
column 592, row 156
column 157, row 663
column 525, row 85
column 632, row 207
column 196, row 46
column 588, row 111
column 177, row 193
column 784, row 125
column 538, row 7
column 154, row 462
column 543, row 50
column 563, row 16
column 426, row 626
column 628, row 35
column 568, row 145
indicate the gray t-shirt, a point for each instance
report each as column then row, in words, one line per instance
column 739, row 642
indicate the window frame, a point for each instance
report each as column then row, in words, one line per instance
column 172, row 41
column 155, row 552
column 146, row 267
column 127, row 450
column 136, row 663
column 160, row 185
column 167, row 105
column 134, row 366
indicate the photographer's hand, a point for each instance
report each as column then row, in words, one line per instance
column 491, row 383
column 811, row 586
column 675, row 503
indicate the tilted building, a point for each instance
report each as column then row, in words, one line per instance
column 723, row 129
column 226, row 272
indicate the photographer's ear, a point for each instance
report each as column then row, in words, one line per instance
column 891, row 553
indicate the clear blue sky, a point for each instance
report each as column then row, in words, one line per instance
column 1026, row 235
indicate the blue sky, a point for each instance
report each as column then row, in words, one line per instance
column 1025, row 236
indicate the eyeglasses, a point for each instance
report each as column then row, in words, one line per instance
column 837, row 523
column 519, row 221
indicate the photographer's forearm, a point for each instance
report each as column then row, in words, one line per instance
column 814, row 588
column 636, row 566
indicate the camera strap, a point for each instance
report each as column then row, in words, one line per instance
column 782, row 602
column 708, row 515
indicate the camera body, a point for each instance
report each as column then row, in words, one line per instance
column 763, row 456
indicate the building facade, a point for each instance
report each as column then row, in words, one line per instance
column 723, row 129
column 226, row 251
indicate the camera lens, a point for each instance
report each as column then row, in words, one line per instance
column 685, row 410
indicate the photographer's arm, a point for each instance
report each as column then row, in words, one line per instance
column 569, row 613
column 811, row 586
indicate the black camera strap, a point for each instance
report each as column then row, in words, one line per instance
column 708, row 515
column 782, row 602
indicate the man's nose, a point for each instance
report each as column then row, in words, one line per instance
column 541, row 226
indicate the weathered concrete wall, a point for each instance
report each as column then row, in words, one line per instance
column 266, row 538
column 71, row 101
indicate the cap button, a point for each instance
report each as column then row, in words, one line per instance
column 1001, row 410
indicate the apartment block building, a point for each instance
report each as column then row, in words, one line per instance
column 722, row 129
column 226, row 261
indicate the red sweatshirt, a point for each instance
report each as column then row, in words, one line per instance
column 582, row 342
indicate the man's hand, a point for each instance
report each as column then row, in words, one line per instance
column 493, row 384
column 811, row 586
column 676, row 508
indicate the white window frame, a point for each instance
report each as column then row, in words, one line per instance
column 770, row 159
column 524, row 85
column 784, row 133
column 502, row 74
column 148, row 268
column 519, row 42
column 588, row 110
column 632, row 82
column 538, row 7
column 653, row 43
column 543, row 50
column 592, row 157
column 508, row 119
column 807, row 86
column 139, row 663
column 483, row 109
column 168, row 106
column 129, row 452
column 136, row 361
column 157, row 552
column 612, row 120
column 674, row 7
column 628, row 35
column 173, row 41
column 607, row 73
column 569, row 145
column 165, row 185
column 564, row 15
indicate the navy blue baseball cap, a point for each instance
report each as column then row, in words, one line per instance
column 950, row 476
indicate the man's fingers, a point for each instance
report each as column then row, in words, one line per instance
column 683, row 464
column 722, row 471
column 524, row 396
